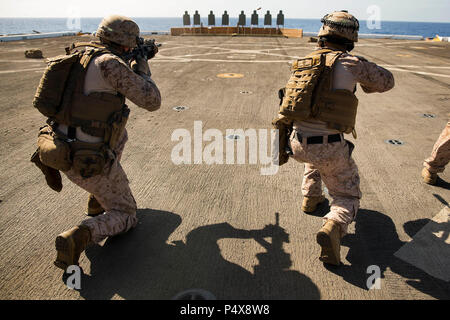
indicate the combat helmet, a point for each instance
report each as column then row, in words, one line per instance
column 340, row 24
column 119, row 29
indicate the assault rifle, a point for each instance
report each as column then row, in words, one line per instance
column 145, row 48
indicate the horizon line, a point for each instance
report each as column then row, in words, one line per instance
column 92, row 17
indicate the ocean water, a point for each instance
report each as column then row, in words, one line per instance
column 29, row 25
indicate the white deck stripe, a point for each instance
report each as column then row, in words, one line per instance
column 22, row 70
column 429, row 249
column 421, row 72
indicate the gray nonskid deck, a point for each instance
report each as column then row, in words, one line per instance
column 209, row 226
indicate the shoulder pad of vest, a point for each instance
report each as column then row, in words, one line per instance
column 310, row 61
column 76, row 45
column 332, row 57
column 306, row 63
column 322, row 51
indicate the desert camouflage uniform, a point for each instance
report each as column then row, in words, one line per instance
column 440, row 155
column 332, row 162
column 108, row 73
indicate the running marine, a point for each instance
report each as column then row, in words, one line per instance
column 318, row 106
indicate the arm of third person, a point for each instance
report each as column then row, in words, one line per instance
column 372, row 77
column 140, row 89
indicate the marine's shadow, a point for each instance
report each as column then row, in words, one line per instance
column 142, row 265
column 374, row 243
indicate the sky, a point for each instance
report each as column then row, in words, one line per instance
column 389, row 10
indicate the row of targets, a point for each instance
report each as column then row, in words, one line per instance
column 242, row 20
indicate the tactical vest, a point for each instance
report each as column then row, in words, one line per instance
column 309, row 93
column 60, row 95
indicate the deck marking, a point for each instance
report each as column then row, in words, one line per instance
column 22, row 70
column 409, row 66
column 20, row 61
column 241, row 57
column 381, row 44
column 229, row 51
column 246, row 56
column 429, row 250
column 421, row 72
column 219, row 60
column 230, row 75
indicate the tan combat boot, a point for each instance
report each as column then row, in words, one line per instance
column 310, row 204
column 69, row 246
column 429, row 177
column 329, row 238
column 93, row 207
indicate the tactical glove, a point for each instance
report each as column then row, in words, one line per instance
column 152, row 51
column 141, row 67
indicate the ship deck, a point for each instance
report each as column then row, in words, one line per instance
column 213, row 227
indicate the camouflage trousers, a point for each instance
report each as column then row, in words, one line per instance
column 331, row 163
column 440, row 156
column 112, row 191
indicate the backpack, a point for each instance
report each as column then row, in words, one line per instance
column 50, row 92
column 55, row 80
